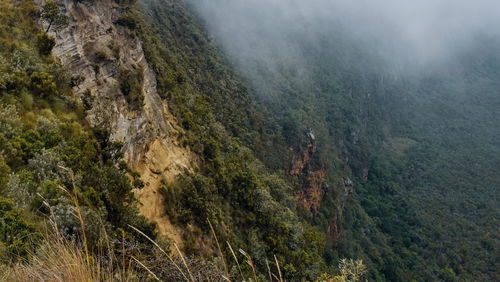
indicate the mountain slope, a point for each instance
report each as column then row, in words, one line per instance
column 419, row 136
column 192, row 172
column 288, row 149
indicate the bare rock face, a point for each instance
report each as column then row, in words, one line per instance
column 97, row 52
column 314, row 179
column 313, row 187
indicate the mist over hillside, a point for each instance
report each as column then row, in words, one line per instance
column 400, row 32
column 249, row 140
column 406, row 94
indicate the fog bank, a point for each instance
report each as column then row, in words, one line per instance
column 413, row 31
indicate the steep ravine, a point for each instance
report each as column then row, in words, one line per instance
column 95, row 50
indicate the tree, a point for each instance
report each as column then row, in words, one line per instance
column 51, row 14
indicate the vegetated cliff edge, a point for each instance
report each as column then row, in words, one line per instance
column 118, row 87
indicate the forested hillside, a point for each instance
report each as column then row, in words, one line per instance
column 420, row 137
column 241, row 140
column 62, row 168
column 55, row 170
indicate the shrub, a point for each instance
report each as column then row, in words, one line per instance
column 87, row 100
column 76, row 80
column 43, row 85
column 127, row 20
column 138, row 183
column 26, row 100
column 16, row 232
column 131, row 86
column 4, row 173
column 45, row 43
column 113, row 45
column 101, row 56
column 10, row 123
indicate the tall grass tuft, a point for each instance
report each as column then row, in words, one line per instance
column 62, row 259
column 59, row 259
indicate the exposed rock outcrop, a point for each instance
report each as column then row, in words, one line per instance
column 334, row 230
column 97, row 51
column 313, row 188
column 313, row 179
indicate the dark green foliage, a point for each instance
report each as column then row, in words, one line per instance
column 419, row 207
column 4, row 173
column 232, row 189
column 131, row 86
column 408, row 142
column 127, row 20
column 50, row 160
column 17, row 233
column 51, row 14
column 423, row 161
column 43, row 85
column 45, row 43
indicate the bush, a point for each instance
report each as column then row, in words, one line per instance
column 128, row 21
column 131, row 86
column 16, row 233
column 43, row 85
column 45, row 43
column 26, row 100
column 101, row 56
column 4, row 174
column 115, row 48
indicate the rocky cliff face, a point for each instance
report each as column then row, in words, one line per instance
column 313, row 179
column 313, row 186
column 97, row 51
column 334, row 230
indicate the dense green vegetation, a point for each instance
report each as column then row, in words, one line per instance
column 54, row 166
column 371, row 124
column 51, row 162
column 432, row 185
column 421, row 149
column 248, row 206
column 420, row 144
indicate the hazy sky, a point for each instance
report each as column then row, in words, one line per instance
column 420, row 31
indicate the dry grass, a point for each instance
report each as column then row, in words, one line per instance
column 59, row 259
column 62, row 260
